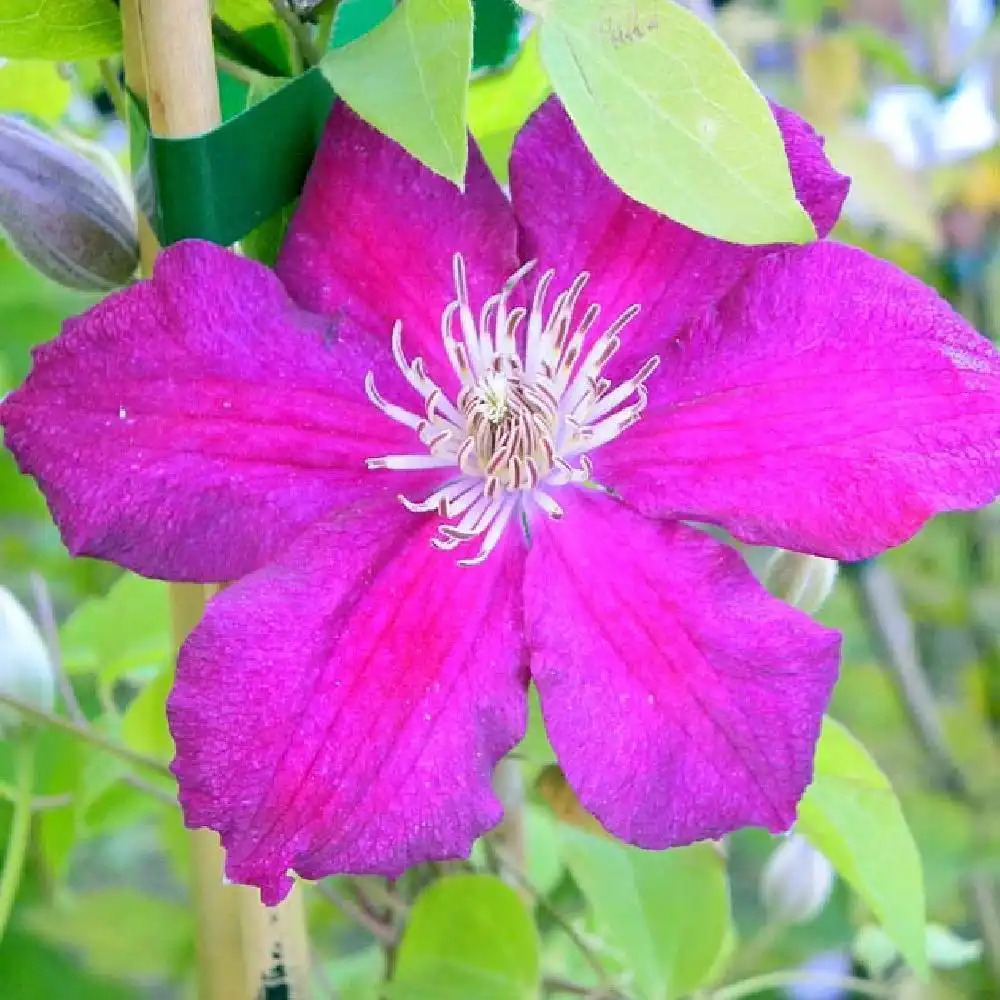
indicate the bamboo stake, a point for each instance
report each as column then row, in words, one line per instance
column 169, row 59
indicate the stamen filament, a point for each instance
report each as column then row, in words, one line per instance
column 524, row 410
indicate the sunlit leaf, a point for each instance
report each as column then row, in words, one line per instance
column 671, row 117
column 34, row 88
column 409, row 78
column 59, row 29
column 128, row 629
column 241, row 14
column 500, row 103
column 666, row 912
column 144, row 724
column 468, row 936
column 850, row 814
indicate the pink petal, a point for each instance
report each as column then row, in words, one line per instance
column 573, row 218
column 342, row 710
column 682, row 701
column 191, row 426
column 375, row 232
column 831, row 404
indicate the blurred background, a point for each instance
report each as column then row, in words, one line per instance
column 906, row 92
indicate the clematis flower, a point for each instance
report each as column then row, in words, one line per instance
column 458, row 442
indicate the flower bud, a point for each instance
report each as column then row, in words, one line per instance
column 61, row 213
column 800, row 579
column 796, row 882
column 25, row 668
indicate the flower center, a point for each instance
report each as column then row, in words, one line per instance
column 531, row 404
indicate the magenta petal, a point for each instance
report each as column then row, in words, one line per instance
column 375, row 233
column 191, row 426
column 682, row 701
column 573, row 218
column 342, row 710
column 831, row 404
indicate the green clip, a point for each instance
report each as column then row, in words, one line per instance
column 221, row 185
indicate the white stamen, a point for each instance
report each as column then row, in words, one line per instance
column 516, row 428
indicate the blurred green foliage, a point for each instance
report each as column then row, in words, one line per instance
column 550, row 906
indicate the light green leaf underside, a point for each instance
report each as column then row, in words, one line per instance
column 672, row 118
column 666, row 912
column 35, row 88
column 409, row 78
column 468, row 936
column 851, row 814
column 243, row 14
column 59, row 29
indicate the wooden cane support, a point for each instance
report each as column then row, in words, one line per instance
column 169, row 60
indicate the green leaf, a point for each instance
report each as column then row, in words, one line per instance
column 672, row 118
column 945, row 949
column 409, row 78
column 31, row 968
column 355, row 18
column 468, row 936
column 119, row 931
column 34, row 88
column 666, row 912
column 144, row 724
column 127, row 630
column 243, row 14
column 59, row 29
column 500, row 103
column 851, row 815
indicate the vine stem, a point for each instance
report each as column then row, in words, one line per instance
column 86, row 734
column 796, row 977
column 20, row 828
column 301, row 36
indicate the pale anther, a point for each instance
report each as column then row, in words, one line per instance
column 532, row 402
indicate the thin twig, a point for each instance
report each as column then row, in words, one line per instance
column 984, row 901
column 246, row 53
column 557, row 917
column 40, row 803
column 556, row 984
column 19, row 835
column 326, row 22
column 109, row 77
column 300, row 32
column 798, row 977
column 892, row 630
column 86, row 734
column 240, row 72
column 50, row 632
column 890, row 626
column 383, row 933
column 148, row 789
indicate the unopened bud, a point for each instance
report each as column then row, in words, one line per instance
column 25, row 668
column 800, row 579
column 796, row 882
column 61, row 213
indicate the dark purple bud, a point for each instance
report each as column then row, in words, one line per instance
column 61, row 213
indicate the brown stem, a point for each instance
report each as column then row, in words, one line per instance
column 892, row 630
column 383, row 932
column 299, row 31
column 50, row 631
column 87, row 734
